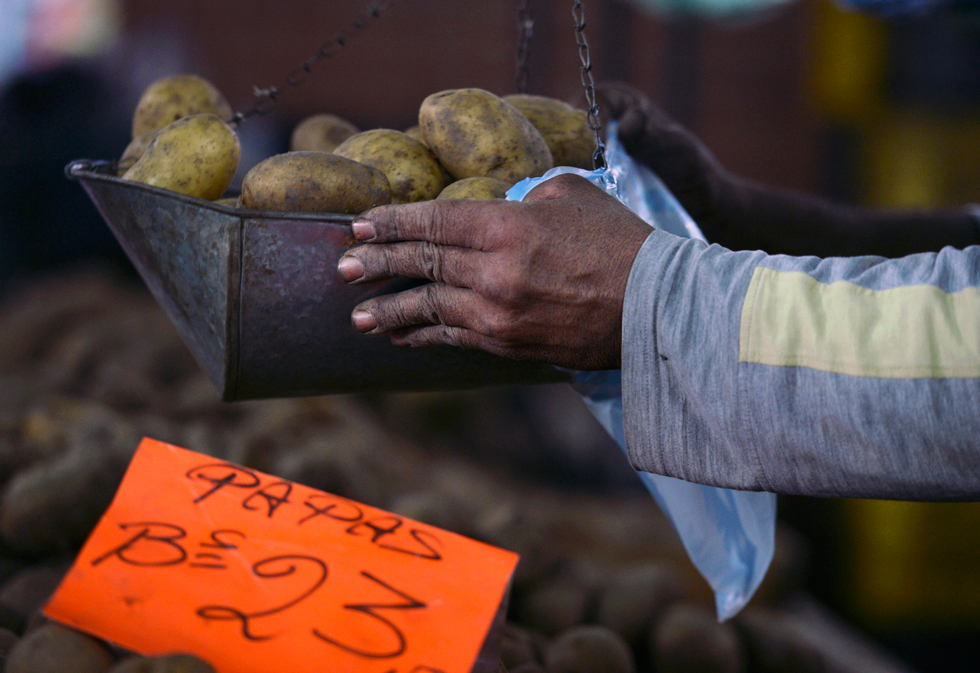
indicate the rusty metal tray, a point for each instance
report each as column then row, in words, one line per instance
column 257, row 298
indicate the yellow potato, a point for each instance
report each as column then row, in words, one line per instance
column 134, row 150
column 416, row 132
column 195, row 155
column 474, row 133
column 172, row 98
column 412, row 170
column 314, row 182
column 565, row 128
column 475, row 188
column 321, row 133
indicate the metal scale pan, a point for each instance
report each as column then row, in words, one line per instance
column 257, row 298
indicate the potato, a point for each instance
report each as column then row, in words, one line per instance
column 589, row 649
column 413, row 172
column 416, row 132
column 474, row 133
column 172, row 98
column 475, row 188
column 167, row 663
column 314, row 182
column 689, row 639
column 134, row 150
column 565, row 128
column 196, row 155
column 321, row 133
column 634, row 597
column 53, row 648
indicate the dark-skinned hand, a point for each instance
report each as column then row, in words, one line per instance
column 688, row 169
column 743, row 214
column 543, row 279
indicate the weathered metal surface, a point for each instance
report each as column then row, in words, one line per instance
column 257, row 298
column 187, row 256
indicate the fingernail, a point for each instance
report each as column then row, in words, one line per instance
column 363, row 321
column 350, row 268
column 363, row 230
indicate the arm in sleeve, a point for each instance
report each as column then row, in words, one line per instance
column 855, row 377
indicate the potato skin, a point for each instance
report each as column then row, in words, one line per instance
column 321, row 133
column 171, row 98
column 413, row 171
column 565, row 128
column 416, row 132
column 195, row 155
column 475, row 133
column 134, row 150
column 475, row 188
column 314, row 182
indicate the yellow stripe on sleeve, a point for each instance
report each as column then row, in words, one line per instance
column 919, row 331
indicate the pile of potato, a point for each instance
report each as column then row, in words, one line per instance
column 181, row 140
column 89, row 365
column 469, row 143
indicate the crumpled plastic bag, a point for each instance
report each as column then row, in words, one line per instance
column 729, row 535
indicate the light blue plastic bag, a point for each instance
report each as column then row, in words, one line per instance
column 728, row 534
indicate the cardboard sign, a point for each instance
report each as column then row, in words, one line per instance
column 256, row 574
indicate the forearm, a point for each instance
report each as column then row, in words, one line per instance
column 752, row 216
column 762, row 372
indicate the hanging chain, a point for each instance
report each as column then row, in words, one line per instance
column 267, row 98
column 599, row 156
column 525, row 28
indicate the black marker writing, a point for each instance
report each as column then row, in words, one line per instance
column 370, row 609
column 272, row 567
column 153, row 545
column 379, row 527
column 346, row 511
column 269, row 494
column 221, row 475
column 430, row 551
column 217, row 541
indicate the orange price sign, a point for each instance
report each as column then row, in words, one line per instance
column 257, row 574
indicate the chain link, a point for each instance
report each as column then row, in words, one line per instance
column 267, row 98
column 525, row 29
column 599, row 156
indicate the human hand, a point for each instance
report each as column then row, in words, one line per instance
column 543, row 279
column 688, row 169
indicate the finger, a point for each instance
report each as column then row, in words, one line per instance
column 561, row 186
column 446, row 335
column 632, row 128
column 456, row 222
column 615, row 98
column 430, row 304
column 416, row 259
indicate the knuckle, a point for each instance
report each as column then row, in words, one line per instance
column 431, row 219
column 429, row 304
column 499, row 325
column 414, row 221
column 430, row 261
column 557, row 187
column 453, row 336
column 509, row 285
column 438, row 335
column 547, row 190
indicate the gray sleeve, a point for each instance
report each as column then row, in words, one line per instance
column 696, row 408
